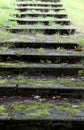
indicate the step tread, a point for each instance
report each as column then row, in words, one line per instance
column 48, row 110
column 36, row 42
column 41, row 19
column 39, row 65
column 51, row 8
column 41, row 52
column 44, row 13
column 43, row 27
column 17, row 43
column 69, row 83
column 40, row 3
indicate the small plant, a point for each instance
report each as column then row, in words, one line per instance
column 40, row 37
column 20, row 77
column 21, row 52
column 42, row 61
column 82, row 62
column 81, row 73
column 48, row 61
column 41, row 51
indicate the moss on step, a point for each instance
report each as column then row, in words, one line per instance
column 68, row 107
column 21, row 80
column 39, row 109
column 3, row 111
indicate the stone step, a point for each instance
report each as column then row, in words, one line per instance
column 46, row 44
column 47, row 29
column 20, row 113
column 28, row 3
column 43, row 20
column 24, row 55
column 41, row 87
column 56, row 15
column 42, row 69
column 39, row 8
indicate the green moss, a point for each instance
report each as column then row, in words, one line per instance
column 82, row 104
column 81, row 72
column 43, row 83
column 3, row 110
column 40, row 114
column 41, row 109
column 67, row 107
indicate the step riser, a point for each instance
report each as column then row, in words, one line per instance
column 46, row 31
column 48, row 45
column 43, row 5
column 41, row 124
column 45, row 22
column 43, row 10
column 36, row 15
column 38, row 58
column 45, row 45
column 14, row 90
column 36, row 71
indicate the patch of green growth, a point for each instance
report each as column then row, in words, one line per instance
column 82, row 62
column 41, row 51
column 51, row 11
column 10, row 64
column 7, row 64
column 54, row 25
column 20, row 77
column 81, row 42
column 3, row 111
column 33, row 11
column 42, row 61
column 4, row 35
column 48, row 61
column 25, row 38
column 67, row 107
column 39, row 24
column 3, row 50
column 81, row 73
column 40, row 37
column 82, row 104
column 40, row 109
column 7, row 10
column 40, row 114
column 75, row 10
column 20, row 51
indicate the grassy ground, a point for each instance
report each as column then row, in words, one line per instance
column 75, row 10
column 6, row 10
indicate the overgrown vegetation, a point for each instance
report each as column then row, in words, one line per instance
column 75, row 10
column 6, row 10
column 40, row 109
